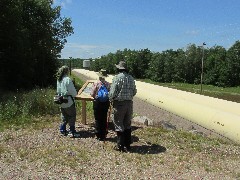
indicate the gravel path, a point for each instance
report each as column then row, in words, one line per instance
column 44, row 154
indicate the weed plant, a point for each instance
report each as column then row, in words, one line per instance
column 24, row 107
column 20, row 107
column 77, row 82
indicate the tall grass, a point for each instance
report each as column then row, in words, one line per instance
column 24, row 107
column 78, row 82
column 20, row 107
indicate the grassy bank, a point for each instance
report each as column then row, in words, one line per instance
column 21, row 108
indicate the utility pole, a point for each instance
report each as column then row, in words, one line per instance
column 202, row 65
column 70, row 65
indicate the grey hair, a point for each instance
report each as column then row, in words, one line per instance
column 61, row 72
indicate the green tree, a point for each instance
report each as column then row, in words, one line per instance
column 179, row 73
column 193, row 63
column 111, row 61
column 233, row 64
column 169, row 63
column 215, row 66
column 32, row 35
column 138, row 62
column 155, row 69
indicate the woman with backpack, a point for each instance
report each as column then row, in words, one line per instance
column 101, row 104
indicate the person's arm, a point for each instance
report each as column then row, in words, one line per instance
column 58, row 88
column 71, row 89
column 94, row 90
column 134, row 88
column 113, row 89
column 108, row 86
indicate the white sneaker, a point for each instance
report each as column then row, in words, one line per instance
column 75, row 135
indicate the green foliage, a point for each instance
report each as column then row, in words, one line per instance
column 32, row 36
column 138, row 62
column 221, row 67
column 28, row 107
column 74, row 63
column 233, row 65
column 20, row 107
column 156, row 65
column 77, row 82
column 215, row 66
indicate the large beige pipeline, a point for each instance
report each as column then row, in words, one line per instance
column 197, row 98
column 218, row 115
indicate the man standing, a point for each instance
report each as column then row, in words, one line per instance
column 121, row 93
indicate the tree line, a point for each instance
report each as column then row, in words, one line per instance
column 221, row 67
column 32, row 35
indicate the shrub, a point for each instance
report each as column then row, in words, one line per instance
column 22, row 106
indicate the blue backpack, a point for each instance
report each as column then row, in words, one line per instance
column 102, row 95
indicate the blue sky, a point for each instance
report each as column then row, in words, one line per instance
column 104, row 26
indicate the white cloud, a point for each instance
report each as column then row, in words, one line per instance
column 192, row 32
column 84, row 47
column 76, row 50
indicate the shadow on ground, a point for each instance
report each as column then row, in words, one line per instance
column 147, row 148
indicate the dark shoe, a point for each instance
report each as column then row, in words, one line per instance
column 128, row 139
column 99, row 138
column 76, row 135
column 120, row 138
column 63, row 130
column 120, row 141
column 64, row 133
column 119, row 148
column 72, row 131
column 128, row 148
